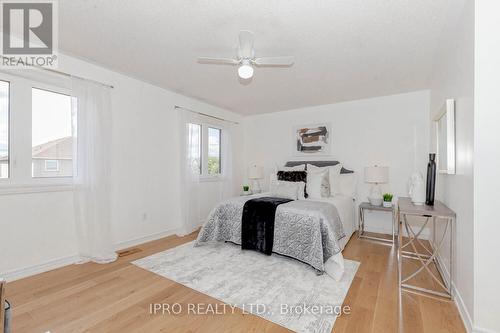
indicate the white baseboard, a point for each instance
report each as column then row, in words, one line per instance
column 20, row 273
column 459, row 302
column 145, row 239
column 483, row 330
column 462, row 309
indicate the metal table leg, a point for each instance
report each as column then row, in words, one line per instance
column 399, row 242
column 424, row 259
column 361, row 229
column 360, row 218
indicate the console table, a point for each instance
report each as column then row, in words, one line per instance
column 439, row 213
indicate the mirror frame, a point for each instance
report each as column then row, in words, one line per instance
column 448, row 110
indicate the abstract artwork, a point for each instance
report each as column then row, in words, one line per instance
column 312, row 140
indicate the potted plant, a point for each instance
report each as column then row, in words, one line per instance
column 246, row 190
column 387, row 200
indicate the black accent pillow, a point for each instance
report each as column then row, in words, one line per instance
column 294, row 176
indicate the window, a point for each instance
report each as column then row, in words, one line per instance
column 52, row 136
column 4, row 129
column 214, row 136
column 51, row 165
column 205, row 149
column 37, row 127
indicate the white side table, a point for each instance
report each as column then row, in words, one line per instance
column 361, row 221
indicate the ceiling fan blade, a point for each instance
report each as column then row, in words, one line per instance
column 274, row 61
column 210, row 60
column 245, row 49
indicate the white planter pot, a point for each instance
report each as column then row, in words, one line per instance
column 388, row 204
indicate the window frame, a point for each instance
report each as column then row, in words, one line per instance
column 220, row 149
column 20, row 139
column 204, row 176
column 60, row 91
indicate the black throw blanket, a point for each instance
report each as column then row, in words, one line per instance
column 257, row 225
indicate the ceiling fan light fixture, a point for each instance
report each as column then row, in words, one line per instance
column 246, row 59
column 245, row 71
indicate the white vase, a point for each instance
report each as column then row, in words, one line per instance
column 388, row 204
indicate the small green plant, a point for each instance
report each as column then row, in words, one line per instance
column 246, row 188
column 387, row 197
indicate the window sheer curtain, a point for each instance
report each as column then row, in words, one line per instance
column 191, row 191
column 91, row 102
column 226, row 187
column 189, row 180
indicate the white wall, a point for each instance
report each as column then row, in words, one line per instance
column 486, row 166
column 453, row 77
column 39, row 228
column 389, row 130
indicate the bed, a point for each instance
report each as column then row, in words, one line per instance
column 345, row 205
column 313, row 231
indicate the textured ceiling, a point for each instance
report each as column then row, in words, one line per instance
column 344, row 49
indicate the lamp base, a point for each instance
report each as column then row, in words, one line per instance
column 375, row 197
column 256, row 186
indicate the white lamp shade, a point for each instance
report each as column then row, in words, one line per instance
column 255, row 172
column 377, row 174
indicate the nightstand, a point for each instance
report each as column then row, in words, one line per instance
column 361, row 221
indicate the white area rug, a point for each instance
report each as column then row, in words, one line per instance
column 279, row 289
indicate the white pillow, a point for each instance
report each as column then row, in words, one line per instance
column 288, row 190
column 301, row 190
column 317, row 184
column 346, row 184
column 333, row 172
column 273, row 178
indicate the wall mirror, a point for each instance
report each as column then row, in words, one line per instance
column 445, row 138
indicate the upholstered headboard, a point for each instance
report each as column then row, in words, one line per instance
column 318, row 164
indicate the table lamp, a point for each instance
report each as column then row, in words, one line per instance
column 254, row 174
column 376, row 175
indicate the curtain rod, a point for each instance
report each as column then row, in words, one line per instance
column 206, row 115
column 66, row 74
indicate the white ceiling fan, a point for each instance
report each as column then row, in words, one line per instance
column 246, row 59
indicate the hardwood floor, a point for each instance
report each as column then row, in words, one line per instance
column 116, row 298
